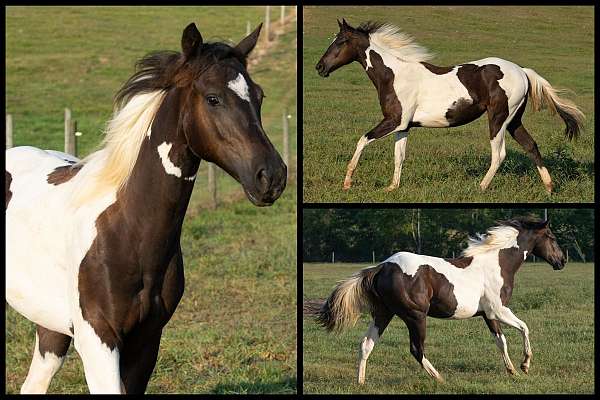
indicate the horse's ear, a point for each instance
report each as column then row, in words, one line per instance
column 246, row 45
column 190, row 40
column 345, row 25
column 546, row 223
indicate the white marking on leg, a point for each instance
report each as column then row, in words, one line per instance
column 100, row 363
column 545, row 178
column 366, row 346
column 506, row 316
column 362, row 142
column 170, row 168
column 430, row 370
column 503, row 347
column 41, row 371
column 240, row 87
column 399, row 156
column 498, row 153
column 524, row 254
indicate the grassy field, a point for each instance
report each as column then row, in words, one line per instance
column 447, row 164
column 235, row 328
column 558, row 307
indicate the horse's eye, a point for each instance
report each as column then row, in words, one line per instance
column 213, row 100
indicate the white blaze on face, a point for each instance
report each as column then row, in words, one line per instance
column 170, row 168
column 240, row 87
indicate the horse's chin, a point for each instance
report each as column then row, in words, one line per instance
column 257, row 202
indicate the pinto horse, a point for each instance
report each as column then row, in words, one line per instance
column 93, row 246
column 414, row 286
column 414, row 93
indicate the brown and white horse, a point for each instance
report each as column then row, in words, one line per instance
column 93, row 246
column 414, row 93
column 414, row 286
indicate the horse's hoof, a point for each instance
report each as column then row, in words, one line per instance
column 511, row 371
column 390, row 188
column 346, row 187
column 525, row 368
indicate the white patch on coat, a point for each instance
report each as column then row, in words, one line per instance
column 163, row 151
column 240, row 87
column 430, row 370
column 524, row 254
column 365, row 349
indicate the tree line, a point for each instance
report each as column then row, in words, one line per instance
column 354, row 235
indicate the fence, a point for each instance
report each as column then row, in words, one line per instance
column 71, row 134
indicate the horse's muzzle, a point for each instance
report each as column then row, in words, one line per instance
column 269, row 183
column 322, row 70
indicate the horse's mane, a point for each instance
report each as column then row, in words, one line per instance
column 502, row 236
column 399, row 44
column 135, row 106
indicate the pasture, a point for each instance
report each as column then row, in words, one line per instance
column 235, row 328
column 558, row 307
column 447, row 164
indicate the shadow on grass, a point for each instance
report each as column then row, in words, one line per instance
column 285, row 386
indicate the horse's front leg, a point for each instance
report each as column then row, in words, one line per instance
column 506, row 316
column 399, row 156
column 384, row 128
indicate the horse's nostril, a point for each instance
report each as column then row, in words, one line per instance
column 319, row 67
column 263, row 180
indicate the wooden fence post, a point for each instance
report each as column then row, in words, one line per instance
column 9, row 131
column 212, row 185
column 267, row 24
column 247, row 28
column 282, row 15
column 286, row 156
column 69, row 134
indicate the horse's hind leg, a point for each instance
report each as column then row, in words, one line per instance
column 500, row 340
column 381, row 319
column 48, row 356
column 520, row 134
column 417, row 327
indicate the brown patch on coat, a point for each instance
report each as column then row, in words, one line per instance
column 63, row 174
column 8, row 180
column 460, row 262
column 482, row 84
column 427, row 291
column 435, row 69
column 510, row 260
column 52, row 342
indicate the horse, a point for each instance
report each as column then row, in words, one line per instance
column 93, row 248
column 414, row 93
column 414, row 286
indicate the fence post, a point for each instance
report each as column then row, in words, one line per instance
column 373, row 257
column 267, row 25
column 69, row 134
column 282, row 15
column 247, row 28
column 286, row 152
column 333, row 257
column 212, row 185
column 9, row 131
column 567, row 255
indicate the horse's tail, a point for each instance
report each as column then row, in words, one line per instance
column 349, row 299
column 542, row 93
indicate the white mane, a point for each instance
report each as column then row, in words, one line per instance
column 499, row 237
column 399, row 44
column 110, row 167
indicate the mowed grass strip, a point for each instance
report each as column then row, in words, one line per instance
column 557, row 306
column 447, row 164
column 235, row 328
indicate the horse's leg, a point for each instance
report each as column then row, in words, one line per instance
column 417, row 327
column 48, row 356
column 383, row 129
column 505, row 315
column 138, row 358
column 500, row 339
column 520, row 134
column 100, row 360
column 381, row 319
column 399, row 155
column 497, row 143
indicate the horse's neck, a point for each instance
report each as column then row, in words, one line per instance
column 380, row 73
column 162, row 180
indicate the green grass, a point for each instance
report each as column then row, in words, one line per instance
column 235, row 328
column 558, row 307
column 447, row 164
